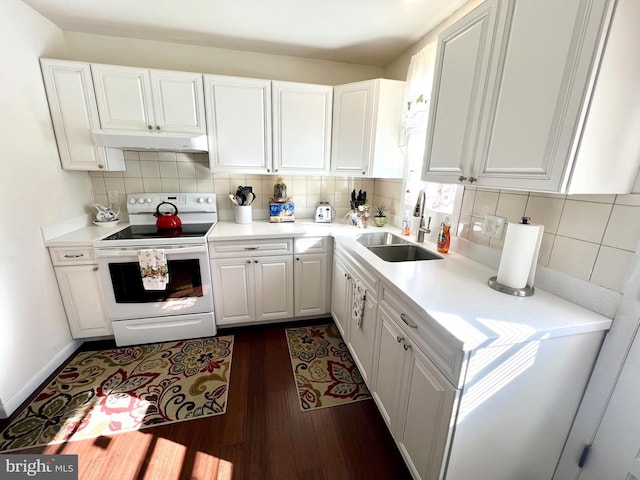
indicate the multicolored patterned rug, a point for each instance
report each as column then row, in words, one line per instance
column 123, row 389
column 324, row 371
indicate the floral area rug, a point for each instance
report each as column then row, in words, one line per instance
column 324, row 371
column 124, row 389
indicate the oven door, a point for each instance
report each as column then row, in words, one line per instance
column 188, row 290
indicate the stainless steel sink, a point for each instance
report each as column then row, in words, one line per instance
column 403, row 253
column 380, row 238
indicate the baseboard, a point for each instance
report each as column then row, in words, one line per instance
column 32, row 385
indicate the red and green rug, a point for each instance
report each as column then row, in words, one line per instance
column 123, row 389
column 324, row 371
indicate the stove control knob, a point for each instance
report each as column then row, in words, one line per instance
column 132, row 201
column 209, row 200
column 200, row 200
column 149, row 200
column 141, row 200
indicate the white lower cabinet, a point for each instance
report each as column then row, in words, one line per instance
column 312, row 275
column 252, row 289
column 78, row 280
column 414, row 398
column 359, row 336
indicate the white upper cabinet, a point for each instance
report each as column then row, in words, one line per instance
column 149, row 100
column 239, row 123
column 301, row 127
column 461, row 69
column 557, row 107
column 366, row 128
column 74, row 114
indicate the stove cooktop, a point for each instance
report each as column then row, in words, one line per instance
column 145, row 232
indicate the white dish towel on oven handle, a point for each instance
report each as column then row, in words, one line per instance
column 153, row 269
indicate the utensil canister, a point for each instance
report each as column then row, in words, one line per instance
column 243, row 213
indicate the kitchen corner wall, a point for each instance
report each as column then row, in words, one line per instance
column 589, row 237
column 189, row 172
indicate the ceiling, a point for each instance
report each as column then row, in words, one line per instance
column 366, row 32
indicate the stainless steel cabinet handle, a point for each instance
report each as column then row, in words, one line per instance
column 248, row 261
column 157, row 127
column 149, row 127
column 298, row 259
column 251, row 248
column 406, row 347
column 403, row 317
column 255, row 261
column 347, row 276
column 77, row 255
column 461, row 178
column 100, row 166
column 472, row 179
column 399, row 338
column 95, row 269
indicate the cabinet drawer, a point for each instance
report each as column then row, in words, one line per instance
column 312, row 245
column 447, row 358
column 72, row 255
column 254, row 248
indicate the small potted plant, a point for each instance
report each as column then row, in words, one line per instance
column 380, row 219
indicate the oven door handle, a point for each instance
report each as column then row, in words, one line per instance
column 120, row 252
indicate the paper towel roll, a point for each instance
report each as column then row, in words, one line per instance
column 520, row 255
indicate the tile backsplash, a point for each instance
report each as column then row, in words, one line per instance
column 189, row 172
column 589, row 237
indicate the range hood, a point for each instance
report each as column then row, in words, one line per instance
column 127, row 139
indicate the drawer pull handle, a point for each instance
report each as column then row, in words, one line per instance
column 399, row 339
column 77, row 255
column 251, row 248
column 406, row 347
column 403, row 317
column 347, row 276
column 95, row 269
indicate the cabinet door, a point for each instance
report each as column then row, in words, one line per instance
column 362, row 338
column 428, row 407
column 352, row 123
column 178, row 101
column 124, row 97
column 390, row 370
column 461, row 68
column 301, row 127
column 341, row 298
column 536, row 91
column 238, row 123
column 273, row 287
column 82, row 298
column 233, row 290
column 310, row 284
column 74, row 115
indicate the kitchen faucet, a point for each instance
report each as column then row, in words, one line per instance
column 418, row 211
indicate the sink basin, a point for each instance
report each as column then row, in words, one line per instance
column 380, row 238
column 403, row 253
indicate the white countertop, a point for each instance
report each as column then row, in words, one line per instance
column 452, row 291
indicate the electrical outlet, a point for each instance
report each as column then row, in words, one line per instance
column 338, row 197
column 494, row 226
column 112, row 197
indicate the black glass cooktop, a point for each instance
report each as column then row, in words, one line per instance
column 135, row 232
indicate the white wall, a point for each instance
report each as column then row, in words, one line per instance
column 174, row 56
column 34, row 191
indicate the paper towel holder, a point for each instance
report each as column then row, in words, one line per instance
column 525, row 291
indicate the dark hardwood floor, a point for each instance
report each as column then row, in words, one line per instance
column 263, row 434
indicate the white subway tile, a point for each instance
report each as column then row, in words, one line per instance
column 133, row 169
column 168, row 170
column 133, row 185
column 511, row 206
column 166, row 156
column 149, row 169
column 97, row 185
column 152, row 185
column 468, row 200
column 114, row 184
column 148, row 156
column 187, row 185
column 170, row 185
column 205, row 185
column 186, row 170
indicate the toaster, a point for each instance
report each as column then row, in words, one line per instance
column 325, row 213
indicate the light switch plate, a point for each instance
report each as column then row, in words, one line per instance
column 494, row 226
